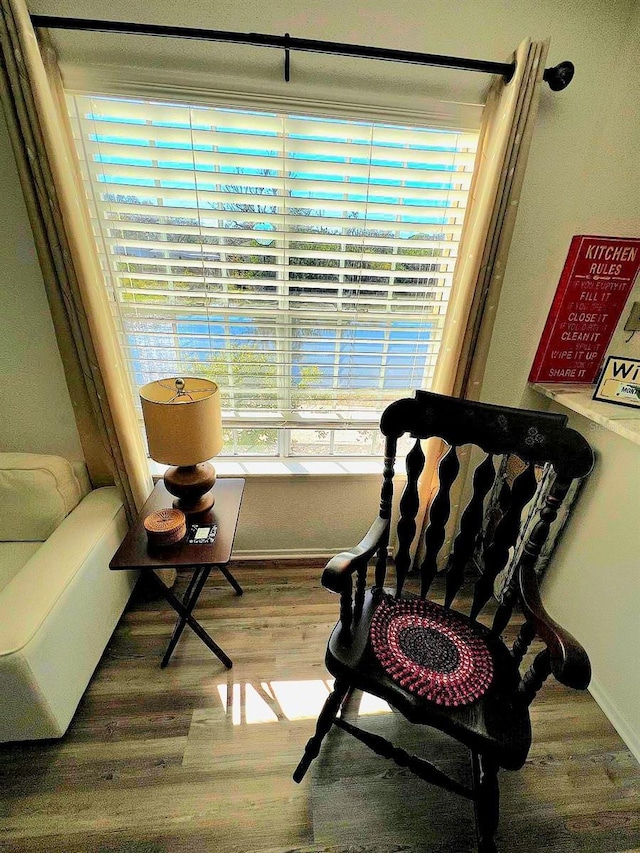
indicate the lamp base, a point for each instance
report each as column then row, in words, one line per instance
column 191, row 485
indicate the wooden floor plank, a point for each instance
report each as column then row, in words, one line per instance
column 196, row 758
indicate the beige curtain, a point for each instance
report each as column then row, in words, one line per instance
column 508, row 123
column 33, row 102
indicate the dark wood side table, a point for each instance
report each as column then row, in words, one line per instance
column 135, row 553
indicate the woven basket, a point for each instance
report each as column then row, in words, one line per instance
column 165, row 526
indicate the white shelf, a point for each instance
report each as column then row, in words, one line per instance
column 619, row 419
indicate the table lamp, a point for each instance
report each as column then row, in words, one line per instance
column 183, row 422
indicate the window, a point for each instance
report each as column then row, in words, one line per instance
column 302, row 262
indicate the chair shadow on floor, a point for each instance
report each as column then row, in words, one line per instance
column 361, row 800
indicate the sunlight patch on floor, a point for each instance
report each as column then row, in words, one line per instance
column 300, row 700
column 246, row 705
column 370, row 704
column 269, row 702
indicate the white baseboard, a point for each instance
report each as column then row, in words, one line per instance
column 292, row 553
column 617, row 719
column 286, row 554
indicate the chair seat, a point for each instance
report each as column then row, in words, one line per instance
column 477, row 704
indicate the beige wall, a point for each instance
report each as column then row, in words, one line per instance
column 593, row 584
column 624, row 343
column 582, row 178
column 309, row 516
column 35, row 409
column 579, row 177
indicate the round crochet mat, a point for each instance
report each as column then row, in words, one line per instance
column 431, row 651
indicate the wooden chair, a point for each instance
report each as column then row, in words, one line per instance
column 403, row 649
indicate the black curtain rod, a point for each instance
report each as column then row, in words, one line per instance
column 557, row 78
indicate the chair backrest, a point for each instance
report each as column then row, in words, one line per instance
column 537, row 438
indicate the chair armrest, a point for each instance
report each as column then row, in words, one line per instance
column 337, row 574
column 569, row 661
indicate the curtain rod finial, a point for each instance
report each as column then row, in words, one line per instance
column 559, row 76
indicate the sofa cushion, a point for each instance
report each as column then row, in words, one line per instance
column 36, row 493
column 13, row 556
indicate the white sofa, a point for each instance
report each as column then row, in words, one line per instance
column 59, row 603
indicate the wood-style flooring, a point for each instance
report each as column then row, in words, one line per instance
column 195, row 758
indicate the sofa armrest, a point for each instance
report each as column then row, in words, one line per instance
column 45, row 576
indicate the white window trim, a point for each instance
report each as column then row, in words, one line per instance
column 365, row 467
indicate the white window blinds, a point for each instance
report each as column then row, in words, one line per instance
column 304, row 263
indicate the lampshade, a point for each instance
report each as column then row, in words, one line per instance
column 182, row 419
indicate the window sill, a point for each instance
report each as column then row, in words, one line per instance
column 304, row 467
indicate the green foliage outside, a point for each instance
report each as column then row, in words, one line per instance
column 245, row 366
column 252, row 372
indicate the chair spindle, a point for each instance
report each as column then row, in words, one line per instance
column 470, row 525
column 531, row 551
column 438, row 517
column 501, row 507
column 522, row 642
column 548, row 514
column 346, row 610
column 386, row 500
column 361, row 586
column 504, row 497
column 505, row 609
column 408, row 509
column 535, row 676
column 420, row 766
column 506, row 533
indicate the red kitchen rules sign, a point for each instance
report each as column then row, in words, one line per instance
column 596, row 280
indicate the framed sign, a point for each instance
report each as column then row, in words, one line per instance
column 596, row 281
column 620, row 382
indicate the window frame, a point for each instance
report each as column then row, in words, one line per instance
column 285, row 425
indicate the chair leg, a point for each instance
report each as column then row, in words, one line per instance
column 347, row 706
column 325, row 721
column 486, row 802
